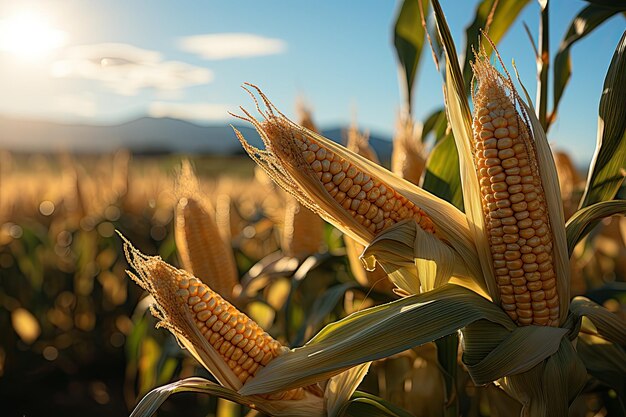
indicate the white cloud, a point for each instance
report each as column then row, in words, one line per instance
column 190, row 111
column 83, row 105
column 231, row 45
column 126, row 69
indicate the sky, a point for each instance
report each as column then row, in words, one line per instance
column 107, row 62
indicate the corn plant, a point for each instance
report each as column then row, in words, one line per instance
column 497, row 272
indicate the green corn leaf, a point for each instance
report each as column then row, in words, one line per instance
column 409, row 37
column 447, row 353
column 376, row 333
column 442, row 176
column 415, row 260
column 436, row 123
column 454, row 77
column 460, row 120
column 609, row 161
column 584, row 220
column 583, row 24
column 322, row 307
column 364, row 404
column 617, row 4
column 606, row 362
column 609, row 326
column 504, row 16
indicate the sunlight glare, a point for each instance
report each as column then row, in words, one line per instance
column 29, row 35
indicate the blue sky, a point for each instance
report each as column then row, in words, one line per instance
column 337, row 55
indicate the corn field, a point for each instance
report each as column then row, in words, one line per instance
column 479, row 274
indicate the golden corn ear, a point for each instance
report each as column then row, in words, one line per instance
column 407, row 157
column 340, row 183
column 201, row 248
column 513, row 201
column 240, row 341
column 184, row 301
column 369, row 201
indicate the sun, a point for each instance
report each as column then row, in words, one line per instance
column 29, row 35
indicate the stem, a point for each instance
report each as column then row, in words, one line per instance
column 447, row 350
column 543, row 63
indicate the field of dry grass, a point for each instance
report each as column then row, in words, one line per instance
column 75, row 332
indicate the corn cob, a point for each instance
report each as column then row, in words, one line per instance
column 200, row 246
column 513, row 201
column 345, row 191
column 187, row 306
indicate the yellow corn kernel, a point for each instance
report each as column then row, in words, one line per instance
column 369, row 201
column 238, row 339
column 513, row 200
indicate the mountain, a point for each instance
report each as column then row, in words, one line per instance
column 143, row 135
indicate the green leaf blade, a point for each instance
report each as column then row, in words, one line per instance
column 584, row 220
column 608, row 167
column 505, row 14
column 364, row 404
column 583, row 24
column 442, row 176
column 409, row 37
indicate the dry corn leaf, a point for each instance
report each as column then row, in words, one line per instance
column 151, row 402
column 415, row 261
column 584, row 220
column 341, row 387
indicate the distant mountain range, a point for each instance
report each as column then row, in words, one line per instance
column 143, row 135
